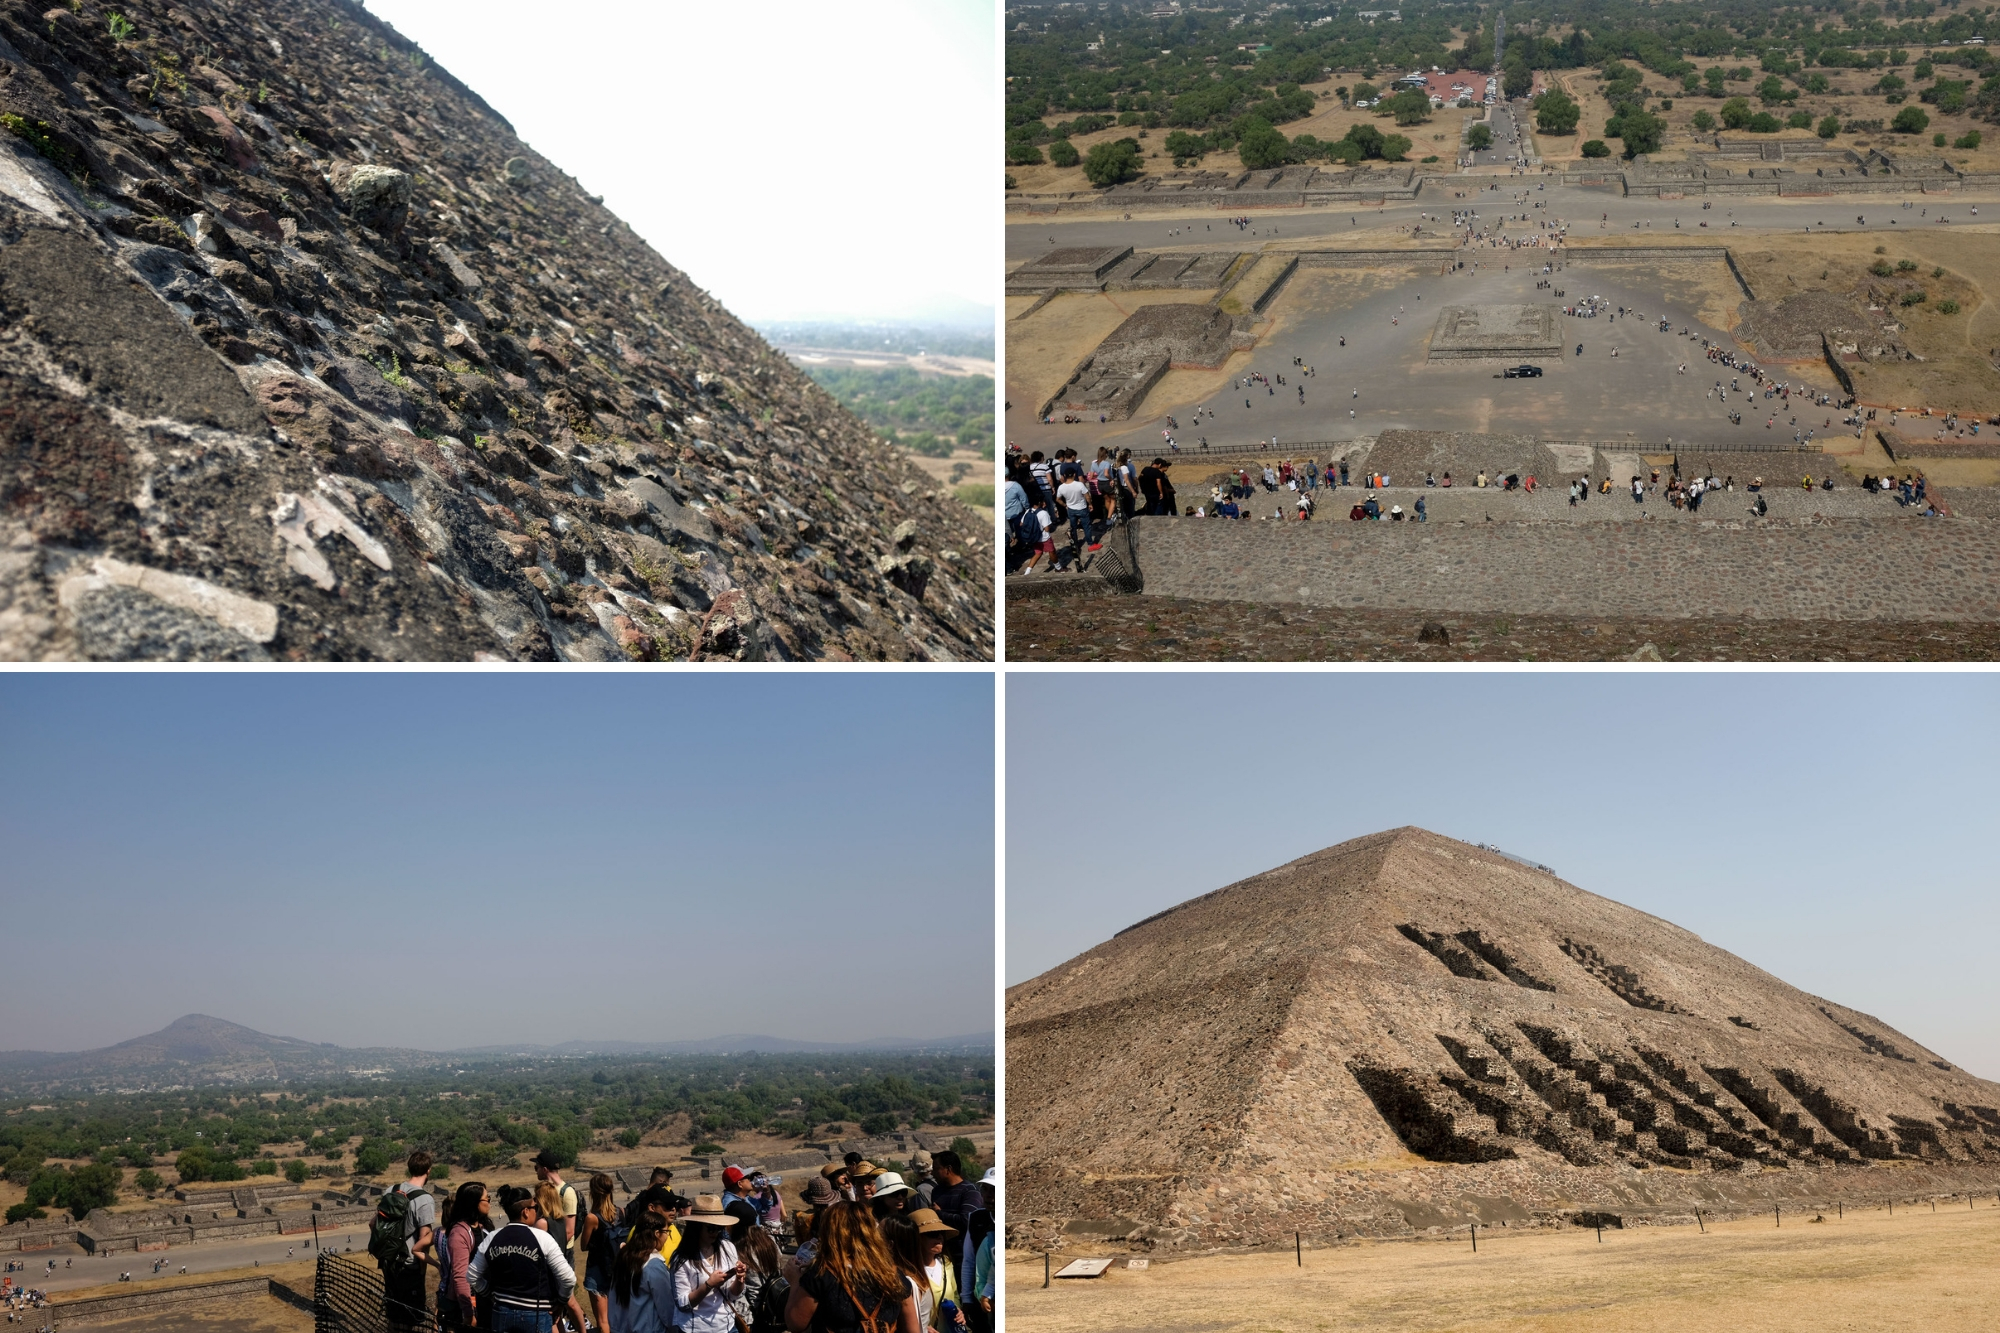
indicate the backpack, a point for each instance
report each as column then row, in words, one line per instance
column 389, row 1232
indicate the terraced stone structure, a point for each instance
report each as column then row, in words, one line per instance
column 1114, row 378
column 306, row 355
column 1513, row 332
column 1407, row 1033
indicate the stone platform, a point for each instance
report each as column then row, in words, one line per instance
column 1509, row 332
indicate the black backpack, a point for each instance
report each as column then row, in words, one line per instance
column 389, row 1233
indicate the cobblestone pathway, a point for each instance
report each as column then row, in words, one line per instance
column 1887, row 569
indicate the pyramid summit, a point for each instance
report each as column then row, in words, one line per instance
column 1406, row 1032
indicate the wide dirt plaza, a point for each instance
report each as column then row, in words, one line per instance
column 1377, row 333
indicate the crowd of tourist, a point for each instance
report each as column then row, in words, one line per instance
column 20, row 1301
column 863, row 1249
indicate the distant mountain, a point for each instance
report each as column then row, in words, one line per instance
column 200, row 1050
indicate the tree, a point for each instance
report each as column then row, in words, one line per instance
column 1596, row 148
column 1366, row 92
column 1829, row 127
column 1410, row 107
column 1736, row 113
column 1817, row 84
column 371, row 1158
column 22, row 1212
column 1712, row 76
column 1063, row 153
column 148, row 1180
column 1112, row 163
column 1703, row 122
column 1799, row 120
column 1969, row 139
column 1395, row 148
column 1367, row 138
column 1642, row 132
column 1922, row 71
column 1911, row 120
column 1479, row 138
column 1890, row 83
column 88, row 1187
column 1763, row 123
column 1183, row 147
column 296, row 1171
column 1515, row 76
column 1261, row 146
column 1023, row 153
column 1556, row 112
column 968, row 1157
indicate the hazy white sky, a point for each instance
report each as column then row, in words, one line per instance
column 797, row 159
column 1835, row 830
column 370, row 858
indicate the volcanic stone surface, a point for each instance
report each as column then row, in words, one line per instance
column 305, row 355
column 1407, row 1033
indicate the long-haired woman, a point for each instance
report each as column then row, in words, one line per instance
column 467, row 1223
column 593, row 1243
column 919, row 1239
column 708, row 1277
column 852, row 1284
column 764, row 1285
column 639, row 1295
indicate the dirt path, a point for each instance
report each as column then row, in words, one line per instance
column 1917, row 1271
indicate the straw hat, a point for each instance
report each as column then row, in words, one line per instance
column 925, row 1219
column 708, row 1210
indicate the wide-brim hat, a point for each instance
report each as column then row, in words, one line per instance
column 925, row 1219
column 992, row 1177
column 708, row 1211
column 819, row 1192
column 832, row 1169
column 889, row 1182
column 863, row 1170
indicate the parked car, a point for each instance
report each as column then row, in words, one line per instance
column 1521, row 373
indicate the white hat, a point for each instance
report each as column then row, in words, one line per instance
column 992, row 1177
column 889, row 1182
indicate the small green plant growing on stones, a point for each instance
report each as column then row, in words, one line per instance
column 393, row 372
column 120, row 27
column 263, row 92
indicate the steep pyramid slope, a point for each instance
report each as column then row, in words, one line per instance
column 305, row 355
column 1404, row 1032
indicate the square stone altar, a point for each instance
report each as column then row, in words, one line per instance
column 1513, row 332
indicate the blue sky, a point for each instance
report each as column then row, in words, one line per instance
column 798, row 159
column 439, row 860
column 1835, row 830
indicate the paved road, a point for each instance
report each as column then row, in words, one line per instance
column 87, row 1270
column 1592, row 212
column 1506, row 139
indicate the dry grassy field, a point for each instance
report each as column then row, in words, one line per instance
column 1848, row 96
column 1916, row 1271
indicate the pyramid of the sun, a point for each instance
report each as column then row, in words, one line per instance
column 1406, row 1032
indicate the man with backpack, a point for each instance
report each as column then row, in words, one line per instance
column 522, row 1269
column 400, row 1240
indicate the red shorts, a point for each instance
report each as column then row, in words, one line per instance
column 1047, row 548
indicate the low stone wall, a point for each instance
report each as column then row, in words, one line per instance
column 1861, row 569
column 146, row 1300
